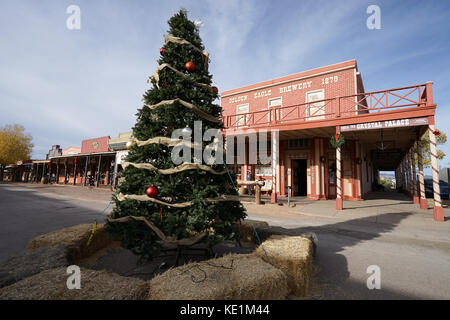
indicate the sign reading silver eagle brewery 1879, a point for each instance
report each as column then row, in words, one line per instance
column 386, row 124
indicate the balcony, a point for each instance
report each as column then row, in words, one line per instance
column 412, row 101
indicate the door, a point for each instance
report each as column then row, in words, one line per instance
column 275, row 112
column 332, row 179
column 315, row 111
column 299, row 177
column 242, row 115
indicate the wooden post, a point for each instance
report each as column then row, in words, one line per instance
column 98, row 170
column 414, row 180
column 339, row 200
column 75, row 171
column 85, row 170
column 50, row 171
column 57, row 171
column 65, row 171
column 275, row 156
column 405, row 166
column 257, row 194
column 438, row 210
column 43, row 173
column 423, row 199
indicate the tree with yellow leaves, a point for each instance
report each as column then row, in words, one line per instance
column 15, row 145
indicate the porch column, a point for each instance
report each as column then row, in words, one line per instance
column 75, row 171
column 282, row 180
column 408, row 175
column 414, row 180
column 57, row 171
column 411, row 178
column 98, row 170
column 114, row 185
column 339, row 201
column 405, row 181
column 43, row 173
column 85, row 170
column 438, row 210
column 423, row 199
column 50, row 171
column 275, row 158
column 65, row 171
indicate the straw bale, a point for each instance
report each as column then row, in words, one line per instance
column 292, row 255
column 95, row 285
column 234, row 276
column 247, row 232
column 31, row 262
column 75, row 240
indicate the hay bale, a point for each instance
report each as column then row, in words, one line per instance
column 234, row 276
column 95, row 285
column 31, row 262
column 247, row 232
column 75, row 240
column 293, row 256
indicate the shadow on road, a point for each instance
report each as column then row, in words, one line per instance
column 333, row 277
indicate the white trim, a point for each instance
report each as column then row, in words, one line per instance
column 292, row 80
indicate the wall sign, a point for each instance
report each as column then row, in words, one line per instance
column 386, row 124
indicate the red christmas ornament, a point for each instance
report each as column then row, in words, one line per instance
column 161, row 51
column 152, row 191
column 215, row 90
column 190, row 66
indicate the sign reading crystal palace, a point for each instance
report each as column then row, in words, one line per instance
column 308, row 114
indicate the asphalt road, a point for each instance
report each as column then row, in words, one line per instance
column 28, row 212
column 412, row 265
column 414, row 262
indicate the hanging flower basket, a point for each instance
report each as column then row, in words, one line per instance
column 337, row 140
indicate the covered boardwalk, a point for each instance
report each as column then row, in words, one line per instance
column 95, row 169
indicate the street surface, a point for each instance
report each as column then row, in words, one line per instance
column 411, row 249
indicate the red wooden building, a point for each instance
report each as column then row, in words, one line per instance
column 303, row 111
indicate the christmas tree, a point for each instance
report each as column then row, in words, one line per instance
column 159, row 203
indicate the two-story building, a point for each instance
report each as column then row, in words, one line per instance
column 304, row 111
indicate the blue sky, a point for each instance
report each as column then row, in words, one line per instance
column 67, row 85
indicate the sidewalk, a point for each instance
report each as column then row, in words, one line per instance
column 390, row 214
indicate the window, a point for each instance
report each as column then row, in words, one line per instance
column 276, row 114
column 298, row 143
column 244, row 110
column 315, row 111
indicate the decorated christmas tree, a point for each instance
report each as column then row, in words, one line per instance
column 159, row 203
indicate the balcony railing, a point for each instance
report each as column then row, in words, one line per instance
column 338, row 107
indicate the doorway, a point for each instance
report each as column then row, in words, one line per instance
column 299, row 177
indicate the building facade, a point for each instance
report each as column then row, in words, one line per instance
column 301, row 113
column 96, row 163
